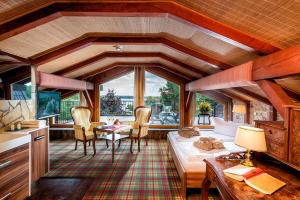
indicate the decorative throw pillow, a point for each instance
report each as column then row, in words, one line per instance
column 209, row 143
column 189, row 132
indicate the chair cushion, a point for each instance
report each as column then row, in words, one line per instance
column 82, row 117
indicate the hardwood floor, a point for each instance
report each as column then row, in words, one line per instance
column 60, row 188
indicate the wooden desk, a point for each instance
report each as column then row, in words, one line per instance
column 232, row 189
column 112, row 136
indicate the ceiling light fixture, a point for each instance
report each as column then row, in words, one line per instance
column 118, row 47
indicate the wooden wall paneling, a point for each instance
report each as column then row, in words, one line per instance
column 276, row 95
column 166, row 9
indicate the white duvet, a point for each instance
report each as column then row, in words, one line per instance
column 191, row 157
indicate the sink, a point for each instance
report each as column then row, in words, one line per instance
column 10, row 140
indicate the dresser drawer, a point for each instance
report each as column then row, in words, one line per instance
column 276, row 135
column 276, row 149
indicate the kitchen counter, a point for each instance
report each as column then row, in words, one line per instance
column 12, row 140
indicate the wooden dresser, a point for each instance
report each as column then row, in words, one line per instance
column 283, row 139
column 14, row 173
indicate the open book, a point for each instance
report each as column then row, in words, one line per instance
column 255, row 178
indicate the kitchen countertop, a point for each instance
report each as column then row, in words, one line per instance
column 12, row 140
column 24, row 131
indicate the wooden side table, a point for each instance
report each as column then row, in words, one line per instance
column 233, row 189
column 112, row 135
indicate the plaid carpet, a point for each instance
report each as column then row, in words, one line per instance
column 150, row 174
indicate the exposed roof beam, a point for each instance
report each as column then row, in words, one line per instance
column 60, row 82
column 277, row 96
column 173, row 77
column 101, row 56
column 154, row 8
column 283, row 63
column 221, row 98
column 252, row 95
column 233, row 96
column 131, row 64
column 238, row 76
column 23, row 60
column 112, row 74
column 126, row 39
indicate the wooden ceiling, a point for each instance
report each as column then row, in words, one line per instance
column 190, row 37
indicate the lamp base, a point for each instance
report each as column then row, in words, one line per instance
column 247, row 162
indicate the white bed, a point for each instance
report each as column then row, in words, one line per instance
column 189, row 159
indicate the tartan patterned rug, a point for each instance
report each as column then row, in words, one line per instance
column 150, row 174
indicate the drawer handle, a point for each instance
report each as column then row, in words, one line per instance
column 6, row 196
column 5, row 164
column 39, row 138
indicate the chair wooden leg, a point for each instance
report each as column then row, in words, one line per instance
column 84, row 147
column 131, row 143
column 76, row 141
column 94, row 146
column 146, row 141
column 139, row 146
column 89, row 142
column 106, row 143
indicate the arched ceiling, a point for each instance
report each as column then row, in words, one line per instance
column 206, row 36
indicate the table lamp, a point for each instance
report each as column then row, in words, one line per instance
column 237, row 108
column 252, row 139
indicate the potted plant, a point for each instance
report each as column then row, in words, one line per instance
column 204, row 107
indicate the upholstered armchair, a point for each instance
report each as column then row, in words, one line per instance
column 83, row 126
column 140, row 126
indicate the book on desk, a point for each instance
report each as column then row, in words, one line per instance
column 255, row 178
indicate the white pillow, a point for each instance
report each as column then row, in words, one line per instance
column 225, row 128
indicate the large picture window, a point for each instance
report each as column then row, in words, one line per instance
column 65, row 107
column 163, row 98
column 117, row 99
column 216, row 109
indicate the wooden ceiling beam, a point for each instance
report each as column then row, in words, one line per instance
column 125, row 39
column 133, row 64
column 60, row 82
column 233, row 96
column 18, row 58
column 101, row 56
column 277, row 96
column 238, row 76
column 125, row 9
column 111, row 74
column 252, row 95
column 283, row 63
column 170, row 76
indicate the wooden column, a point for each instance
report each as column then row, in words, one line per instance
column 190, row 108
column 139, row 86
column 96, row 99
column 274, row 114
column 247, row 115
column 182, row 108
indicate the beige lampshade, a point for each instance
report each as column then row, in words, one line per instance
column 251, row 138
column 239, row 109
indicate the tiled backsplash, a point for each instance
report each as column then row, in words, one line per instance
column 13, row 111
